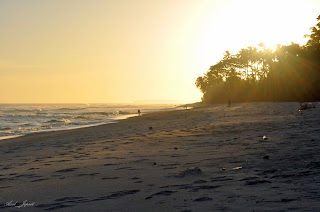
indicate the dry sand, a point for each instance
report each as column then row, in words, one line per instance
column 210, row 158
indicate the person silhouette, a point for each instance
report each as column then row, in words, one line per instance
column 139, row 112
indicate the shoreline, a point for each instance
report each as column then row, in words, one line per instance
column 80, row 128
column 122, row 117
column 104, row 122
column 206, row 158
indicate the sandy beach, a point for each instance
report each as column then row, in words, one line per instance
column 249, row 157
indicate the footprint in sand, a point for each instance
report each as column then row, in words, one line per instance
column 161, row 193
column 67, row 170
column 38, row 180
column 32, row 169
column 201, row 199
column 109, row 178
column 91, row 174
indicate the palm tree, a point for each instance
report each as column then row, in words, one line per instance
column 243, row 60
column 314, row 38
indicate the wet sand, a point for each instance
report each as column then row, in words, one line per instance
column 209, row 158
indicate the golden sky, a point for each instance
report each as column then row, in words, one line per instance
column 116, row 51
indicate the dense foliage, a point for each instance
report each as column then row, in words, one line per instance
column 286, row 73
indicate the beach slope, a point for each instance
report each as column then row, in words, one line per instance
column 252, row 156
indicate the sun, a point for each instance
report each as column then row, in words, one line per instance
column 268, row 45
column 240, row 24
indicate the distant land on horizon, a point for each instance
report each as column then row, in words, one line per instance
column 156, row 101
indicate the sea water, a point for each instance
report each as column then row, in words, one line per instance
column 21, row 119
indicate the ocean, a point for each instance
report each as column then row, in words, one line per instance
column 22, row 119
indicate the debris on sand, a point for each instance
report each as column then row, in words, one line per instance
column 238, row 167
column 264, row 137
column 306, row 106
column 190, row 172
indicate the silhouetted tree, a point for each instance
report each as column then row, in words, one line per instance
column 288, row 73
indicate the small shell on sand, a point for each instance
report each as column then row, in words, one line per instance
column 238, row 167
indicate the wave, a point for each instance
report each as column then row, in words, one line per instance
column 87, row 118
column 59, row 120
column 19, row 131
column 124, row 113
column 22, row 115
column 52, row 121
column 96, row 113
column 39, row 114
column 23, row 110
column 5, row 128
column 69, row 108
column 114, row 113
column 19, row 110
column 46, row 126
column 23, row 119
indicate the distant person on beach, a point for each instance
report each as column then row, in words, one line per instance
column 229, row 102
column 139, row 112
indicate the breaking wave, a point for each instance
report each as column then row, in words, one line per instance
column 20, row 119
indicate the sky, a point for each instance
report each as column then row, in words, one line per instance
column 121, row 51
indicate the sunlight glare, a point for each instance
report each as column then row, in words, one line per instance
column 247, row 23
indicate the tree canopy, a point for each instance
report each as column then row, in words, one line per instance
column 286, row 73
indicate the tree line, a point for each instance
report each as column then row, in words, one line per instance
column 286, row 73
